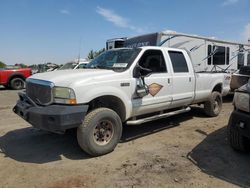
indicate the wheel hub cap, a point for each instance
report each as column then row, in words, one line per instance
column 103, row 132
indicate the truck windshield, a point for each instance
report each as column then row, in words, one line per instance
column 117, row 60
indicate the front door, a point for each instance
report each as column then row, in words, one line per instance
column 158, row 81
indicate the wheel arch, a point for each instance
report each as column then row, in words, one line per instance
column 111, row 102
column 218, row 87
column 16, row 75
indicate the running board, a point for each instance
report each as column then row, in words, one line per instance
column 159, row 116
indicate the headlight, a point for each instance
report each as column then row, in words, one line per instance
column 64, row 95
column 242, row 101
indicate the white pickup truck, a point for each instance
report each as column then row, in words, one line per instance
column 124, row 85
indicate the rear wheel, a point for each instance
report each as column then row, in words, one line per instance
column 214, row 105
column 17, row 83
column 100, row 131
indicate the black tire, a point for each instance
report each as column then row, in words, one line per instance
column 235, row 139
column 7, row 86
column 213, row 107
column 100, row 132
column 17, row 83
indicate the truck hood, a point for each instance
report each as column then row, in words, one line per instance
column 68, row 77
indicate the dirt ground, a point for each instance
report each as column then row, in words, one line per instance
column 188, row 150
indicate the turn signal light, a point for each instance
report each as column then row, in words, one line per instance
column 72, row 101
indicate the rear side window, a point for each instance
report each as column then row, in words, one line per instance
column 178, row 61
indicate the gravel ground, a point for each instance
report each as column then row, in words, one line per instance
column 188, row 150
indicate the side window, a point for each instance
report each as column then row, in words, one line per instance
column 220, row 56
column 227, row 56
column 248, row 59
column 240, row 60
column 178, row 61
column 153, row 60
column 209, row 55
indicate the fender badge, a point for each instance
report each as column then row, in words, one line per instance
column 154, row 88
column 125, row 84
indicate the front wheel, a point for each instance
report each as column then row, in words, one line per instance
column 213, row 107
column 100, row 131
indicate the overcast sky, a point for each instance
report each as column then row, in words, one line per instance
column 33, row 31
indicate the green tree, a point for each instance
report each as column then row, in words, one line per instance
column 99, row 52
column 92, row 54
column 21, row 65
column 2, row 64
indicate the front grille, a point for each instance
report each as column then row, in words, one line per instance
column 39, row 91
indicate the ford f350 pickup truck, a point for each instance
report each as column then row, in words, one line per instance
column 124, row 85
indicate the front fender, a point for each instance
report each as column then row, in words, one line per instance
column 85, row 96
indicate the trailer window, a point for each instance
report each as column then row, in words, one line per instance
column 219, row 56
column 178, row 61
column 227, row 56
column 240, row 60
column 209, row 54
column 248, row 59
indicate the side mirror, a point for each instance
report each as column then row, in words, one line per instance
column 140, row 71
column 137, row 71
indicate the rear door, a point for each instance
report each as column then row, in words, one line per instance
column 183, row 78
column 159, row 82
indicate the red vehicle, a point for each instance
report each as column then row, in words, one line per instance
column 14, row 78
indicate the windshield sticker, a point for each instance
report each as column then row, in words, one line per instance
column 120, row 65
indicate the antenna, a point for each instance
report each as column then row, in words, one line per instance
column 79, row 53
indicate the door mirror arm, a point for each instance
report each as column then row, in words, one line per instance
column 137, row 73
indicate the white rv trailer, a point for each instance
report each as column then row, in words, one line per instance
column 207, row 54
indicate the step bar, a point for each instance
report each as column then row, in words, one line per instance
column 158, row 116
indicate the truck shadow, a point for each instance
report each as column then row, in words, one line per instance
column 36, row 146
column 215, row 157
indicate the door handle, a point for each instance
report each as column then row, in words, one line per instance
column 190, row 79
column 168, row 80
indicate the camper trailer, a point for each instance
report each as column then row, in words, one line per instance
column 207, row 54
column 115, row 43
